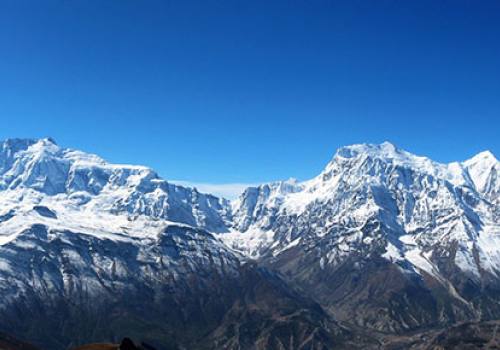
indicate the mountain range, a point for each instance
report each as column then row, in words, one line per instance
column 382, row 250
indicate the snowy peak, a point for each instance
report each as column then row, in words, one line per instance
column 386, row 149
column 484, row 156
column 477, row 172
column 255, row 201
column 366, row 166
column 31, row 163
column 40, row 171
column 386, row 153
column 18, row 144
column 11, row 147
column 484, row 171
column 482, row 162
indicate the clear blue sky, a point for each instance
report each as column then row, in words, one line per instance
column 251, row 91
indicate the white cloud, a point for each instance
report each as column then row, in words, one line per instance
column 230, row 191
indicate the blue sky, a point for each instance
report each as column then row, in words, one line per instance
column 250, row 91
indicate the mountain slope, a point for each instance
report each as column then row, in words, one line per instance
column 179, row 291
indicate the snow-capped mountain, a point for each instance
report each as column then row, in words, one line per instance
column 419, row 202
column 80, row 237
column 376, row 205
column 381, row 238
column 83, row 186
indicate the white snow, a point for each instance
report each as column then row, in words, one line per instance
column 248, row 243
column 421, row 261
column 392, row 253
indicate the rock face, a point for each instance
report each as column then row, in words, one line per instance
column 381, row 243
